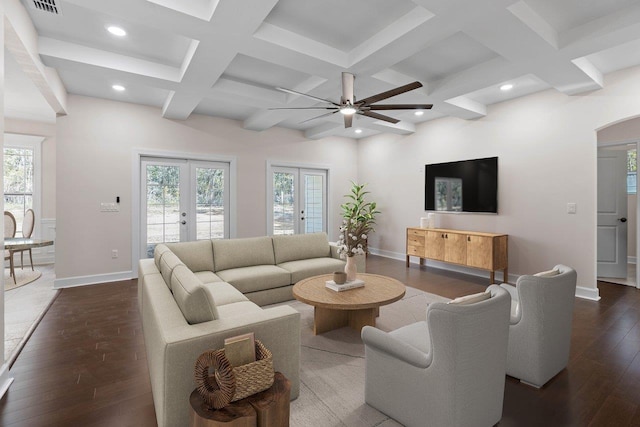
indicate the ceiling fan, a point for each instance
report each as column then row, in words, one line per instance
column 348, row 105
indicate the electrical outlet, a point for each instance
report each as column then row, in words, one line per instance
column 114, row 254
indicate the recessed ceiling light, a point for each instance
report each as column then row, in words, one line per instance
column 506, row 87
column 116, row 31
column 358, row 130
column 419, row 113
column 119, row 88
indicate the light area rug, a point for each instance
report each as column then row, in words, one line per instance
column 23, row 277
column 332, row 366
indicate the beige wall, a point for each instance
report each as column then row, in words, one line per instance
column 546, row 144
column 95, row 146
column 48, row 130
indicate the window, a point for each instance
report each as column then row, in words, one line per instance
column 632, row 176
column 21, row 175
column 448, row 194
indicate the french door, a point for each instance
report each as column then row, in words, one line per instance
column 298, row 202
column 182, row 200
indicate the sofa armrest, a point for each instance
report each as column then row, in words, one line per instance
column 392, row 346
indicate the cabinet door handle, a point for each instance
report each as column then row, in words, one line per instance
column 468, row 238
column 446, row 236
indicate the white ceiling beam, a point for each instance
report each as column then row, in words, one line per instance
column 401, row 128
column 534, row 21
column 212, row 56
column 603, row 33
column 21, row 40
column 297, row 43
column 52, row 48
column 415, row 18
column 324, row 130
column 469, row 109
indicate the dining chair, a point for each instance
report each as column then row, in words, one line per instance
column 27, row 229
column 9, row 231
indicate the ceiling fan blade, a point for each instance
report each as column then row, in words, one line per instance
column 347, row 88
column 348, row 121
column 379, row 117
column 304, row 108
column 282, row 89
column 317, row 117
column 400, row 107
column 390, row 93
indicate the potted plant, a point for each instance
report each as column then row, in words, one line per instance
column 358, row 220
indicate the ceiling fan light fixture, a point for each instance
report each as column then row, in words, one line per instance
column 506, row 87
column 348, row 110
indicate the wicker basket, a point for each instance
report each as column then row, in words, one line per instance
column 229, row 383
column 256, row 376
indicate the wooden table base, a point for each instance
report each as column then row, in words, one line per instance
column 327, row 319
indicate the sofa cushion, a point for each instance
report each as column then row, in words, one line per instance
column 236, row 253
column 300, row 246
column 193, row 299
column 224, row 293
column 159, row 250
column 208, row 277
column 237, row 309
column 311, row 267
column 256, row 278
column 168, row 262
column 197, row 255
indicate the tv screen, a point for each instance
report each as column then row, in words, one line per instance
column 464, row 186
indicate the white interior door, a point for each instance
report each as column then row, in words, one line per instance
column 612, row 213
column 182, row 200
column 298, row 202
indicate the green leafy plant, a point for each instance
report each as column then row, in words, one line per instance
column 359, row 217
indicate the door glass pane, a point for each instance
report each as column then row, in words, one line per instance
column 313, row 209
column 448, row 194
column 210, row 203
column 163, row 205
column 283, row 203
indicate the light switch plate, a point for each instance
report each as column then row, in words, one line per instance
column 109, row 207
column 571, row 208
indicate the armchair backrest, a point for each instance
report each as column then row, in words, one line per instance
column 469, row 351
column 546, row 309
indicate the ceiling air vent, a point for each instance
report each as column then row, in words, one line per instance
column 46, row 6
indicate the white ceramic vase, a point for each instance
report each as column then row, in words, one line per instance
column 351, row 268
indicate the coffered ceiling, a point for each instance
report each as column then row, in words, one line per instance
column 225, row 57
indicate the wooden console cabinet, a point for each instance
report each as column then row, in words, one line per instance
column 487, row 251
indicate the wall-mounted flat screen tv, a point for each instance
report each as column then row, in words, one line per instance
column 463, row 186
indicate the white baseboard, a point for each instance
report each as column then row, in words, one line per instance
column 5, row 379
column 70, row 282
column 631, row 260
column 581, row 292
column 592, row 294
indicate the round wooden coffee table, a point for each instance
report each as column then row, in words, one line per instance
column 355, row 307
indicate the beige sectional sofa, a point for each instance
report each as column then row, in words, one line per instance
column 193, row 295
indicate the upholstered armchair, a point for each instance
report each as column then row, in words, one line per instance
column 446, row 371
column 540, row 330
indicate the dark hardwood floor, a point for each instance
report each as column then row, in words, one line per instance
column 85, row 364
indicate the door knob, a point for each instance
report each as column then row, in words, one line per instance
column 622, row 219
column 183, row 222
